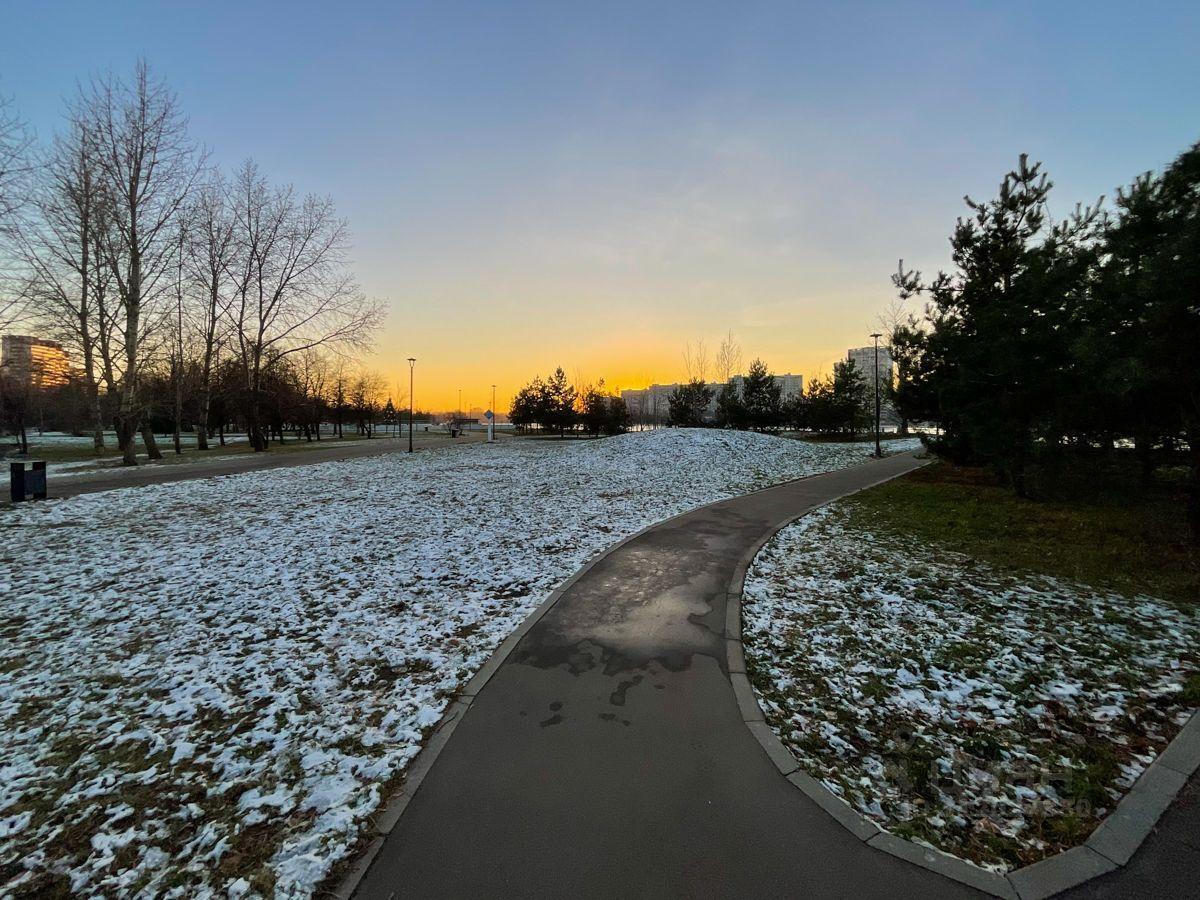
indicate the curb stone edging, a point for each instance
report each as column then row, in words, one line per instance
column 392, row 808
column 1113, row 843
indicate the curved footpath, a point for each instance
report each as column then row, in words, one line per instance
column 602, row 752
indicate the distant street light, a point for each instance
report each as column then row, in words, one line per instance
column 878, row 448
column 411, row 362
column 492, row 420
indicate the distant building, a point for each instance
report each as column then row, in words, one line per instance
column 651, row 405
column 34, row 362
column 789, row 385
column 864, row 362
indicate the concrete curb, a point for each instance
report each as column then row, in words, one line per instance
column 392, row 809
column 1110, row 846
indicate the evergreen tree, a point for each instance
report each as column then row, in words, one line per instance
column 617, row 420
column 524, row 409
column 688, row 404
column 557, row 404
column 730, row 411
column 761, row 398
column 1152, row 278
column 852, row 400
column 796, row 413
column 594, row 409
column 993, row 353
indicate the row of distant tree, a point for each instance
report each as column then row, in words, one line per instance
column 839, row 404
column 160, row 273
column 555, row 405
column 303, row 396
column 1050, row 341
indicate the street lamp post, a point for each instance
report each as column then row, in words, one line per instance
column 411, row 362
column 878, row 448
column 492, row 421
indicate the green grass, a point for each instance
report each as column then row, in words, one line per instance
column 1100, row 528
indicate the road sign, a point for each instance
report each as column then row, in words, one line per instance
column 489, row 415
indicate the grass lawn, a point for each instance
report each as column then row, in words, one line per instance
column 1104, row 531
column 984, row 673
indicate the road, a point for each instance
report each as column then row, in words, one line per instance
column 70, row 484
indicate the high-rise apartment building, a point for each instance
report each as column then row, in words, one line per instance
column 34, row 362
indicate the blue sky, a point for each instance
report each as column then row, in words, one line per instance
column 594, row 184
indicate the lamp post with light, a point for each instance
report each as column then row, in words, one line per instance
column 411, row 363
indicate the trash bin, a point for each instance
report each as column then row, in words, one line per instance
column 27, row 484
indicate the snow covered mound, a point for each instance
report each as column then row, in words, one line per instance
column 994, row 715
column 208, row 686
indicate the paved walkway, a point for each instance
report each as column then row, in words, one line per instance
column 1168, row 863
column 606, row 756
column 197, row 466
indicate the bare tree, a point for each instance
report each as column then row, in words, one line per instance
column 729, row 358
column 178, row 337
column 312, row 375
column 695, row 361
column 292, row 288
column 339, row 386
column 366, row 391
column 209, row 253
column 59, row 248
column 896, row 314
column 147, row 165
column 895, row 318
column 16, row 165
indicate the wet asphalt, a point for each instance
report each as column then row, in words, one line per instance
column 607, row 756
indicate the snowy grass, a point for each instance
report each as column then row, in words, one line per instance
column 208, row 687
column 996, row 715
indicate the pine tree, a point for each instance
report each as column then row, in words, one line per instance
column 688, row 404
column 761, row 398
column 617, row 420
column 593, row 409
column 853, row 399
column 558, row 405
column 730, row 411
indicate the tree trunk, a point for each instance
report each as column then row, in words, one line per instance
column 1193, row 502
column 1144, row 448
column 152, row 450
column 178, row 418
column 126, row 429
column 202, row 425
column 98, row 421
column 254, row 431
column 130, row 414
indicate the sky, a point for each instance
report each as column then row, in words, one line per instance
column 531, row 185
